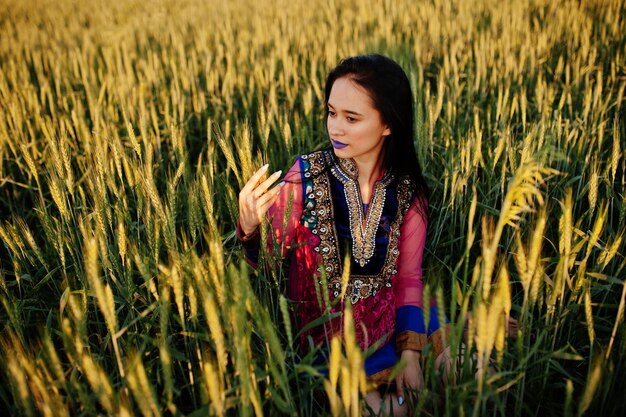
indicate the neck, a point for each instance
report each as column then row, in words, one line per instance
column 369, row 170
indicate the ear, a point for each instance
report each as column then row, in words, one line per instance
column 387, row 131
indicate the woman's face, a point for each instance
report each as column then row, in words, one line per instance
column 355, row 126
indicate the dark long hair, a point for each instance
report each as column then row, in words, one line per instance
column 390, row 90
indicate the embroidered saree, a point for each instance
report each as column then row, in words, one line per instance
column 318, row 220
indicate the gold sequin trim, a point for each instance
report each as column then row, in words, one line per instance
column 411, row 340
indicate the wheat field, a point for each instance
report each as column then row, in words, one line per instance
column 127, row 129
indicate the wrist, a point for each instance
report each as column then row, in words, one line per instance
column 410, row 355
column 245, row 233
column 248, row 231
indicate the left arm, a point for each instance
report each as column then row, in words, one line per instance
column 410, row 328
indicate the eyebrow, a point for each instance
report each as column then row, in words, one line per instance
column 346, row 111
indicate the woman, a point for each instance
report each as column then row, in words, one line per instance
column 365, row 198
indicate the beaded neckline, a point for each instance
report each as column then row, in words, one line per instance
column 363, row 224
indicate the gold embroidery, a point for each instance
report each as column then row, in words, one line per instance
column 359, row 286
column 411, row 340
column 439, row 337
column 363, row 238
column 328, row 246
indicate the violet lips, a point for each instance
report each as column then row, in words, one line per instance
column 337, row 144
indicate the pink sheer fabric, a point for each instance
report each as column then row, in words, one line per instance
column 287, row 210
column 374, row 317
column 408, row 283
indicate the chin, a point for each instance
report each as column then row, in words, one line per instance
column 341, row 153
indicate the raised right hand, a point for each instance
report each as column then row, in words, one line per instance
column 255, row 198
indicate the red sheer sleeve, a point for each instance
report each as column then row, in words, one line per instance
column 410, row 326
column 408, row 284
column 284, row 216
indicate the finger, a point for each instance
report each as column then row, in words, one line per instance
column 262, row 188
column 263, row 208
column 270, row 195
column 400, row 389
column 254, row 179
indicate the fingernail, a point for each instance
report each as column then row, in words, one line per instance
column 281, row 183
column 265, row 166
column 278, row 172
column 400, row 400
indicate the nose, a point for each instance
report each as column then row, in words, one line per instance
column 334, row 128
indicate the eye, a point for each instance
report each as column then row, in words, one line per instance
column 331, row 113
column 351, row 119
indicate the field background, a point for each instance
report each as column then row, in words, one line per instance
column 128, row 127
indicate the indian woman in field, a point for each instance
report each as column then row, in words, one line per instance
column 363, row 197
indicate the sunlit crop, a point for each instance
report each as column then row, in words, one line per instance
column 127, row 129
